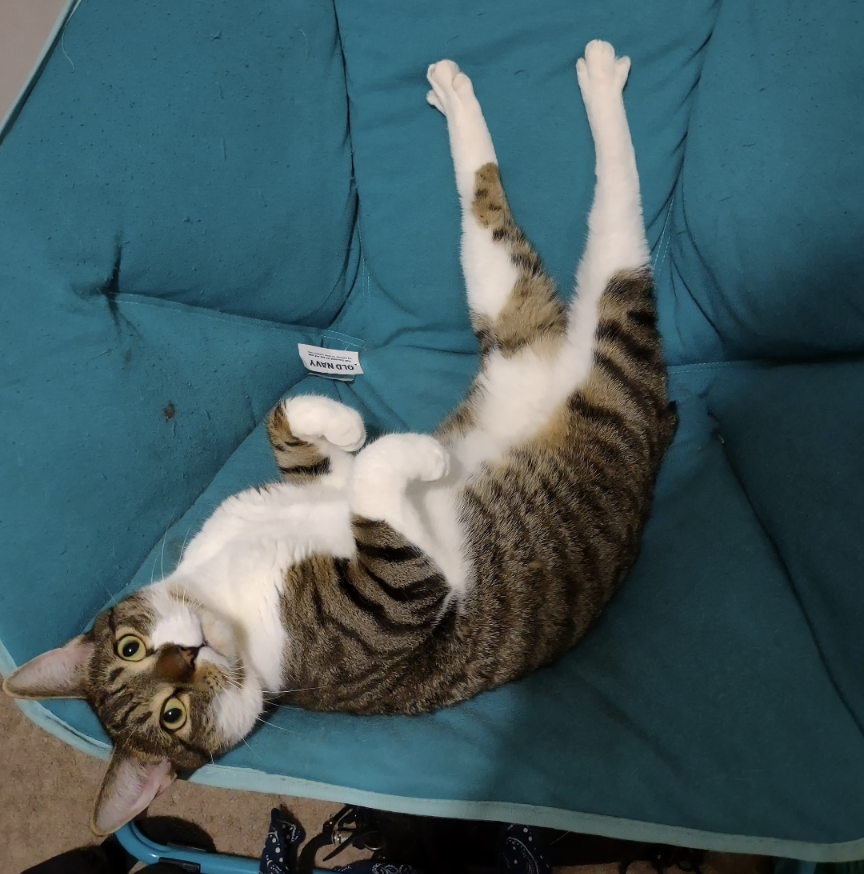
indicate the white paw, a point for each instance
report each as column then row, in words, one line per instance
column 311, row 417
column 600, row 72
column 407, row 457
column 451, row 89
column 429, row 460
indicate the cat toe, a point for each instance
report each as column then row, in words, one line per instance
column 435, row 464
column 348, row 432
column 432, row 100
column 451, row 88
column 443, row 73
column 599, row 68
column 426, row 457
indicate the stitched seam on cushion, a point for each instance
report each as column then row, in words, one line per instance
column 213, row 315
column 782, row 562
column 665, row 234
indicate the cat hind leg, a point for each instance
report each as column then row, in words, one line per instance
column 614, row 353
column 512, row 301
column 471, row 146
column 488, row 270
column 616, row 244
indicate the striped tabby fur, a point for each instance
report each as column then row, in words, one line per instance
column 424, row 569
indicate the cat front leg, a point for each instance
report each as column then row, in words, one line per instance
column 312, row 436
column 382, row 475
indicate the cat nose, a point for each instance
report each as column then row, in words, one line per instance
column 188, row 654
column 176, row 664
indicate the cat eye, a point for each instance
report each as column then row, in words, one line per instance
column 131, row 648
column 173, row 714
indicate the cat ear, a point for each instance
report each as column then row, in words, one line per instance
column 129, row 785
column 58, row 673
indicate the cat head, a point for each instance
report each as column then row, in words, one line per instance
column 165, row 678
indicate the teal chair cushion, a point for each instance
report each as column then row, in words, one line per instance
column 768, row 217
column 190, row 191
column 178, row 212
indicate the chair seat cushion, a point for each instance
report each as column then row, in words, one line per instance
column 185, row 202
column 714, row 703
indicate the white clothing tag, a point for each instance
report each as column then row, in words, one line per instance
column 334, row 363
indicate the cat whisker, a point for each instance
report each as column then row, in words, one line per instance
column 185, row 541
column 289, row 691
column 162, row 557
column 277, row 727
column 153, row 572
column 257, row 756
column 112, row 597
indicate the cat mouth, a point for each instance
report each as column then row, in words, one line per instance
column 216, row 636
column 208, row 654
column 206, row 648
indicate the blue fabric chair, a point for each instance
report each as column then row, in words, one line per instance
column 191, row 190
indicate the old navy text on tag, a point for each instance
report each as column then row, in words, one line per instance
column 337, row 363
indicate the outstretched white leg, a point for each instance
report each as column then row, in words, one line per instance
column 489, row 273
column 616, row 231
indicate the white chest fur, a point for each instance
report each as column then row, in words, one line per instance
column 235, row 566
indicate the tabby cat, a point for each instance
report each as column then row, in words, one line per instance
column 424, row 569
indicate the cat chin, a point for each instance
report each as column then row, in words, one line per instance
column 208, row 655
column 236, row 710
column 219, row 638
column 183, row 620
